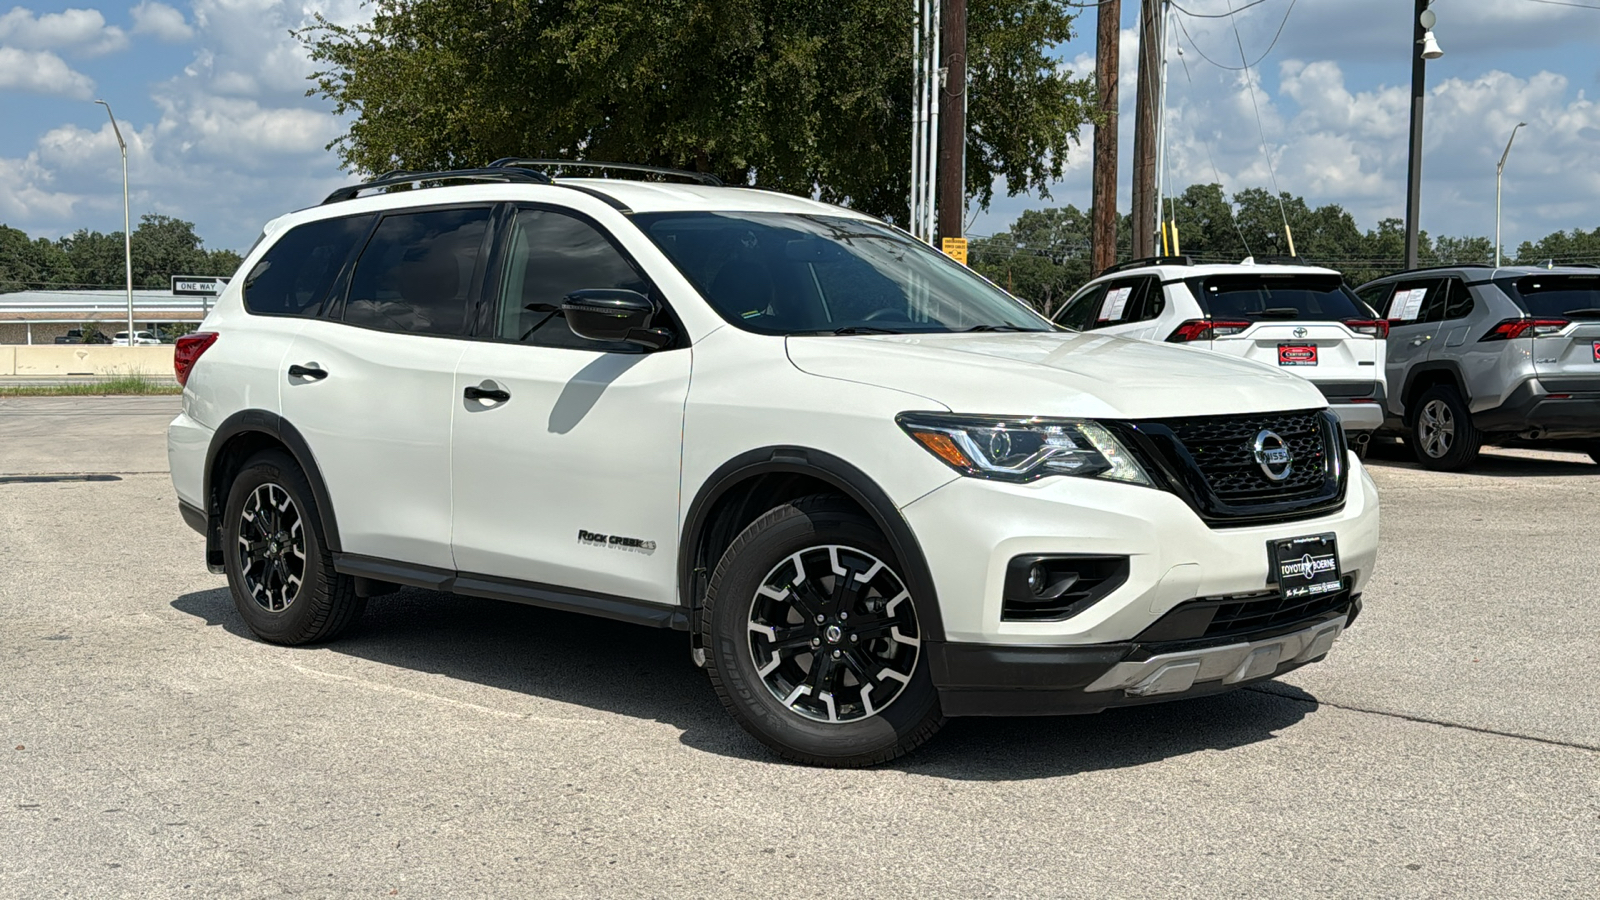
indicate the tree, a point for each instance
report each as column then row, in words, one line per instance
column 26, row 263
column 161, row 248
column 805, row 97
column 1574, row 246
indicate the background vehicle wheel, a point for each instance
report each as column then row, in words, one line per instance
column 1442, row 434
column 278, row 565
column 814, row 643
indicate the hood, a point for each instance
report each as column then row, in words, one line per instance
column 1063, row 374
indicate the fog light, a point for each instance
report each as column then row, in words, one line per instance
column 1037, row 578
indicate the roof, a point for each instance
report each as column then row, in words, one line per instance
column 1200, row 270
column 1482, row 272
column 98, row 306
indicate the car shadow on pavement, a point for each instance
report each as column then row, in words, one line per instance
column 1490, row 462
column 645, row 673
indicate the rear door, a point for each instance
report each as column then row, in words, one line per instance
column 1415, row 313
column 1566, row 352
column 371, row 387
column 1123, row 307
column 1302, row 323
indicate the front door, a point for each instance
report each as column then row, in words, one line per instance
column 370, row 387
column 567, row 452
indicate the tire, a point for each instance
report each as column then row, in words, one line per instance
column 758, row 597
column 1442, row 434
column 277, row 560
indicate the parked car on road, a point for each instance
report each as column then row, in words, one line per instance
column 1300, row 319
column 874, row 489
column 1480, row 355
column 76, row 336
column 141, row 338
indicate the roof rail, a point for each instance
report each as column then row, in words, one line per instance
column 1276, row 261
column 512, row 162
column 399, row 177
column 1441, row 268
column 1147, row 261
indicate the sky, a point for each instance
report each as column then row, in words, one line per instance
column 211, row 97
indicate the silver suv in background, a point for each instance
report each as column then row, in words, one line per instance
column 1479, row 355
column 1296, row 318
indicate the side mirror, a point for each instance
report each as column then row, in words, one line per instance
column 613, row 314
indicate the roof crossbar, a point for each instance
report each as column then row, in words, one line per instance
column 399, row 177
column 512, row 163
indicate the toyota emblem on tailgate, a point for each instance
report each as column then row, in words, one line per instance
column 1273, row 456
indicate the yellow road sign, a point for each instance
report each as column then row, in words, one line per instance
column 955, row 248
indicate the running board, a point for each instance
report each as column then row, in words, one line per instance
column 607, row 606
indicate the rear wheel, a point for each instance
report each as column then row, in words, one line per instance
column 815, row 645
column 278, row 564
column 1442, row 434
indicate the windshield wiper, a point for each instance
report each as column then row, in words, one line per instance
column 1280, row 312
column 995, row 328
column 848, row 329
column 1588, row 312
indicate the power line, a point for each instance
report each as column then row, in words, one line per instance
column 1565, row 3
column 1262, row 129
column 1247, row 66
column 1231, row 11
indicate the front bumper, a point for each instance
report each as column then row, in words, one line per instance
column 990, row 680
column 1530, row 407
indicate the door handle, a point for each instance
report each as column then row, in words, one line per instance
column 474, row 392
column 299, row 371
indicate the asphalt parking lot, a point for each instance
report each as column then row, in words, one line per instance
column 454, row 747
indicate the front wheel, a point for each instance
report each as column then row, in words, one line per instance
column 1442, row 434
column 815, row 645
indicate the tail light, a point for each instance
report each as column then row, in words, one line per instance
column 1378, row 328
column 1515, row 328
column 187, row 353
column 1205, row 330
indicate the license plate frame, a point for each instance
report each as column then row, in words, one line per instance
column 1305, row 566
column 1297, row 354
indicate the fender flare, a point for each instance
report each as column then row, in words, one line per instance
column 1424, row 368
column 850, row 481
column 273, row 425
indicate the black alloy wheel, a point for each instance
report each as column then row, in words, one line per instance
column 813, row 637
column 279, row 568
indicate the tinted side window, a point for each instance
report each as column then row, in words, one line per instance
column 1417, row 301
column 1079, row 312
column 416, row 273
column 1121, row 302
column 1148, row 300
column 1376, row 296
column 293, row 277
column 548, row 256
column 1458, row 300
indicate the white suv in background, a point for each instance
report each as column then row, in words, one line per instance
column 1302, row 319
column 873, row 488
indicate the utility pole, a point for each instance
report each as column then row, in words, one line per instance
column 1144, row 130
column 1103, row 226
column 952, row 199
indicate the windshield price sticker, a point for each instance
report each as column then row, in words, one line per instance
column 1115, row 304
column 1408, row 304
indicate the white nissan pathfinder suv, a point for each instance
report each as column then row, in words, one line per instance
column 874, row 489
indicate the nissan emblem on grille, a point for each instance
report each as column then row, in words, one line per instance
column 1273, row 456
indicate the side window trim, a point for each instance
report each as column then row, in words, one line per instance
column 333, row 304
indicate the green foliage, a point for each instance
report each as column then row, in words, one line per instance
column 805, row 97
column 162, row 247
column 1044, row 257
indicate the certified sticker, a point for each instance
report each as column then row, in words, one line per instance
column 1297, row 354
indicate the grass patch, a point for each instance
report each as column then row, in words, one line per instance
column 118, row 385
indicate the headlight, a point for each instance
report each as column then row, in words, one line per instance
column 1013, row 449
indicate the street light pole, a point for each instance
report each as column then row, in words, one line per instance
column 1498, row 171
column 1423, row 48
column 127, row 235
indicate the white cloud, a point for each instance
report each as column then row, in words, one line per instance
column 161, row 21
column 82, row 31
column 42, row 72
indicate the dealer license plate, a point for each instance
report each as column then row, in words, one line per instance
column 1297, row 354
column 1305, row 567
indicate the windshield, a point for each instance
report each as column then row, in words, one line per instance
column 1555, row 296
column 1315, row 298
column 785, row 273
